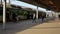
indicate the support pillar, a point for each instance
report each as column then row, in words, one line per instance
column 4, row 15
column 37, row 13
column 46, row 16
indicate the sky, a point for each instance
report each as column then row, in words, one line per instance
column 23, row 4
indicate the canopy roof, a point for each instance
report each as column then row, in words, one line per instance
column 48, row 4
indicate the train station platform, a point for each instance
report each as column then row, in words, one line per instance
column 29, row 27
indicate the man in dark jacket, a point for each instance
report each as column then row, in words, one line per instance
column 14, row 15
column 7, row 16
column 43, row 17
column 59, row 17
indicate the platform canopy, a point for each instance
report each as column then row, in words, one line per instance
column 48, row 4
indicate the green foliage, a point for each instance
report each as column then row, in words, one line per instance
column 19, row 11
column 23, row 12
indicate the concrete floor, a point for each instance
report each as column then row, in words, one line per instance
column 29, row 27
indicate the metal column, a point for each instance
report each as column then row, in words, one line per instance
column 37, row 13
column 4, row 15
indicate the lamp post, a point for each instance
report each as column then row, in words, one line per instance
column 4, row 13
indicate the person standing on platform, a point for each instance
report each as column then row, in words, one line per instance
column 34, row 19
column 43, row 17
column 59, row 17
column 14, row 16
column 7, row 16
